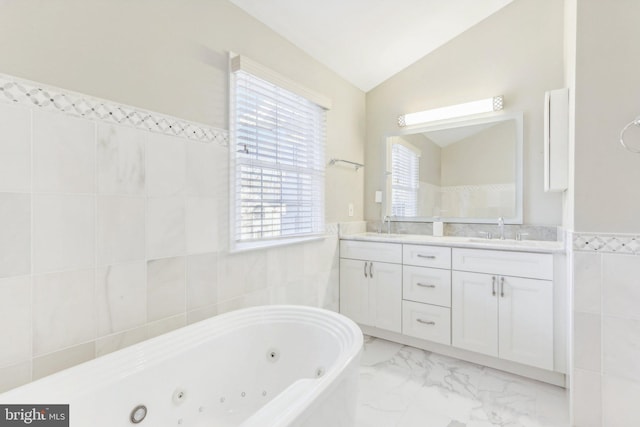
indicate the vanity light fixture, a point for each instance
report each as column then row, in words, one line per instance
column 452, row 111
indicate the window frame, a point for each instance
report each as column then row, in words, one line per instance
column 241, row 64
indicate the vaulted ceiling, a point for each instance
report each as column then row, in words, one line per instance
column 368, row 41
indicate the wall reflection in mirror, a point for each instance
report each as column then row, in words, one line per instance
column 458, row 171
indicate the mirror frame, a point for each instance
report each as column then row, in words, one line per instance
column 455, row 123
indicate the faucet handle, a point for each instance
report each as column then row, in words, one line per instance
column 387, row 220
column 485, row 234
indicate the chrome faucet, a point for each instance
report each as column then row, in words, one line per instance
column 387, row 220
column 501, row 227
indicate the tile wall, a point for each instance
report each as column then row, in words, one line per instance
column 111, row 233
column 606, row 330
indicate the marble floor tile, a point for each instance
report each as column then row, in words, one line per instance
column 401, row 386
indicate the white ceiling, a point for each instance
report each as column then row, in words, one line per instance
column 368, row 41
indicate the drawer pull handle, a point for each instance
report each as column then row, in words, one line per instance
column 426, row 322
column 502, row 287
column 425, row 285
column 493, row 285
column 426, row 256
column 365, row 269
column 371, row 270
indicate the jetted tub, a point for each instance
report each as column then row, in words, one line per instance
column 257, row 367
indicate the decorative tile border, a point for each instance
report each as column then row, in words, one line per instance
column 31, row 94
column 608, row 243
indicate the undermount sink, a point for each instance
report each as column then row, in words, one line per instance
column 502, row 241
column 382, row 235
column 507, row 242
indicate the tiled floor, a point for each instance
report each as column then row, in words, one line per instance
column 402, row 386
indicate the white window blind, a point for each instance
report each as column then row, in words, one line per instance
column 278, row 140
column 405, row 184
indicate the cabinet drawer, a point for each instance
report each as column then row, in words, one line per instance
column 520, row 264
column 371, row 251
column 426, row 256
column 428, row 285
column 428, row 322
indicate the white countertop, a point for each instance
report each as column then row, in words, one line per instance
column 543, row 246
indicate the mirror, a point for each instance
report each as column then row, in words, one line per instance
column 466, row 171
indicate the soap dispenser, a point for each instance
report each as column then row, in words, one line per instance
column 438, row 228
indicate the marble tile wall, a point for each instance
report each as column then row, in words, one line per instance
column 113, row 233
column 606, row 332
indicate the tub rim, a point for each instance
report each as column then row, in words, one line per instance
column 92, row 375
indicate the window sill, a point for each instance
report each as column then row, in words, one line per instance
column 267, row 244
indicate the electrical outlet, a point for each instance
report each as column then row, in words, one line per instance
column 350, row 209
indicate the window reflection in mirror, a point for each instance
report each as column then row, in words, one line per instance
column 462, row 171
column 405, row 164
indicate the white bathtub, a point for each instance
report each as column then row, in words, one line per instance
column 262, row 366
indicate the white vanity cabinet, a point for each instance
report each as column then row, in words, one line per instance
column 502, row 305
column 494, row 303
column 371, row 283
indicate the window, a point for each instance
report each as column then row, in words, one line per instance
column 405, row 183
column 277, row 151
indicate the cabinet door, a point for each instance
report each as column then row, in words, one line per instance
column 526, row 321
column 474, row 312
column 354, row 291
column 386, row 296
